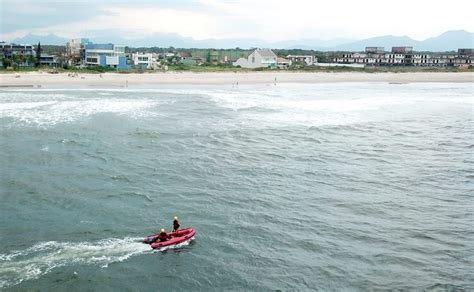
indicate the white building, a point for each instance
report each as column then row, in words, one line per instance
column 307, row 59
column 144, row 60
column 260, row 58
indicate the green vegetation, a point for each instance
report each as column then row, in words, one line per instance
column 227, row 68
column 323, row 57
column 206, row 67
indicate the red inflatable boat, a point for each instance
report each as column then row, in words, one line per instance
column 173, row 238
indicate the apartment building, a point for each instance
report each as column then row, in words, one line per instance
column 105, row 55
column 405, row 56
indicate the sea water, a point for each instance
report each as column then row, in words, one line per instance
column 349, row 186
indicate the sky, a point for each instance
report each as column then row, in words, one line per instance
column 269, row 20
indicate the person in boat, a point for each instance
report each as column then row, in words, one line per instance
column 175, row 224
column 162, row 236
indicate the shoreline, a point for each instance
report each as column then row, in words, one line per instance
column 120, row 80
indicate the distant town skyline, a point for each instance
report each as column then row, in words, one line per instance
column 269, row 20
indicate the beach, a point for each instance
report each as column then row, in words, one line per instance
column 120, row 80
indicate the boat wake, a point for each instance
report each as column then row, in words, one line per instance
column 175, row 246
column 31, row 263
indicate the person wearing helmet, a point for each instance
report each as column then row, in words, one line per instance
column 162, row 236
column 175, row 224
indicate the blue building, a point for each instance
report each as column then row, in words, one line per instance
column 105, row 55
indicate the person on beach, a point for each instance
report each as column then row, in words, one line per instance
column 175, row 224
column 162, row 236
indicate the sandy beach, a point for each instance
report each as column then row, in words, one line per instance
column 111, row 80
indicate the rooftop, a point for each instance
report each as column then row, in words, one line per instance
column 266, row 53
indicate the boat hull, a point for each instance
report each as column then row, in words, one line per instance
column 177, row 237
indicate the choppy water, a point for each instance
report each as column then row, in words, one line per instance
column 329, row 186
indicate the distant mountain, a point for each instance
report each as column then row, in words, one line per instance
column 49, row 39
column 310, row 43
column 388, row 42
column 448, row 41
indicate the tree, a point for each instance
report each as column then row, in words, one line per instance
column 6, row 62
column 38, row 55
column 322, row 58
column 18, row 59
column 32, row 60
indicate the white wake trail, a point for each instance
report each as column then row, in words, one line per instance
column 20, row 265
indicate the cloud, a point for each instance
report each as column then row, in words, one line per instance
column 135, row 22
column 27, row 14
column 270, row 20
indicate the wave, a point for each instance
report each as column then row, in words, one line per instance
column 31, row 263
column 321, row 105
column 47, row 113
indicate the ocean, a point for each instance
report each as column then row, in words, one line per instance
column 336, row 186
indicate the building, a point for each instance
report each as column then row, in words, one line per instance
column 186, row 58
column 19, row 54
column 105, row 55
column 305, row 59
column 375, row 50
column 143, row 60
column 283, row 63
column 405, row 56
column 463, row 59
column 260, row 58
column 466, row 52
column 402, row 50
column 48, row 60
column 75, row 50
column 7, row 50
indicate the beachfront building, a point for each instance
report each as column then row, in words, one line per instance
column 186, row 58
column 8, row 50
column 406, row 53
column 105, row 55
column 260, row 58
column 283, row 63
column 405, row 56
column 21, row 55
column 463, row 58
column 308, row 60
column 431, row 60
column 143, row 60
column 48, row 60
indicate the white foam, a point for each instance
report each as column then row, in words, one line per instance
column 46, row 113
column 41, row 258
column 308, row 104
column 175, row 246
column 334, row 104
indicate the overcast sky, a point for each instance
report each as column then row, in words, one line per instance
column 270, row 20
